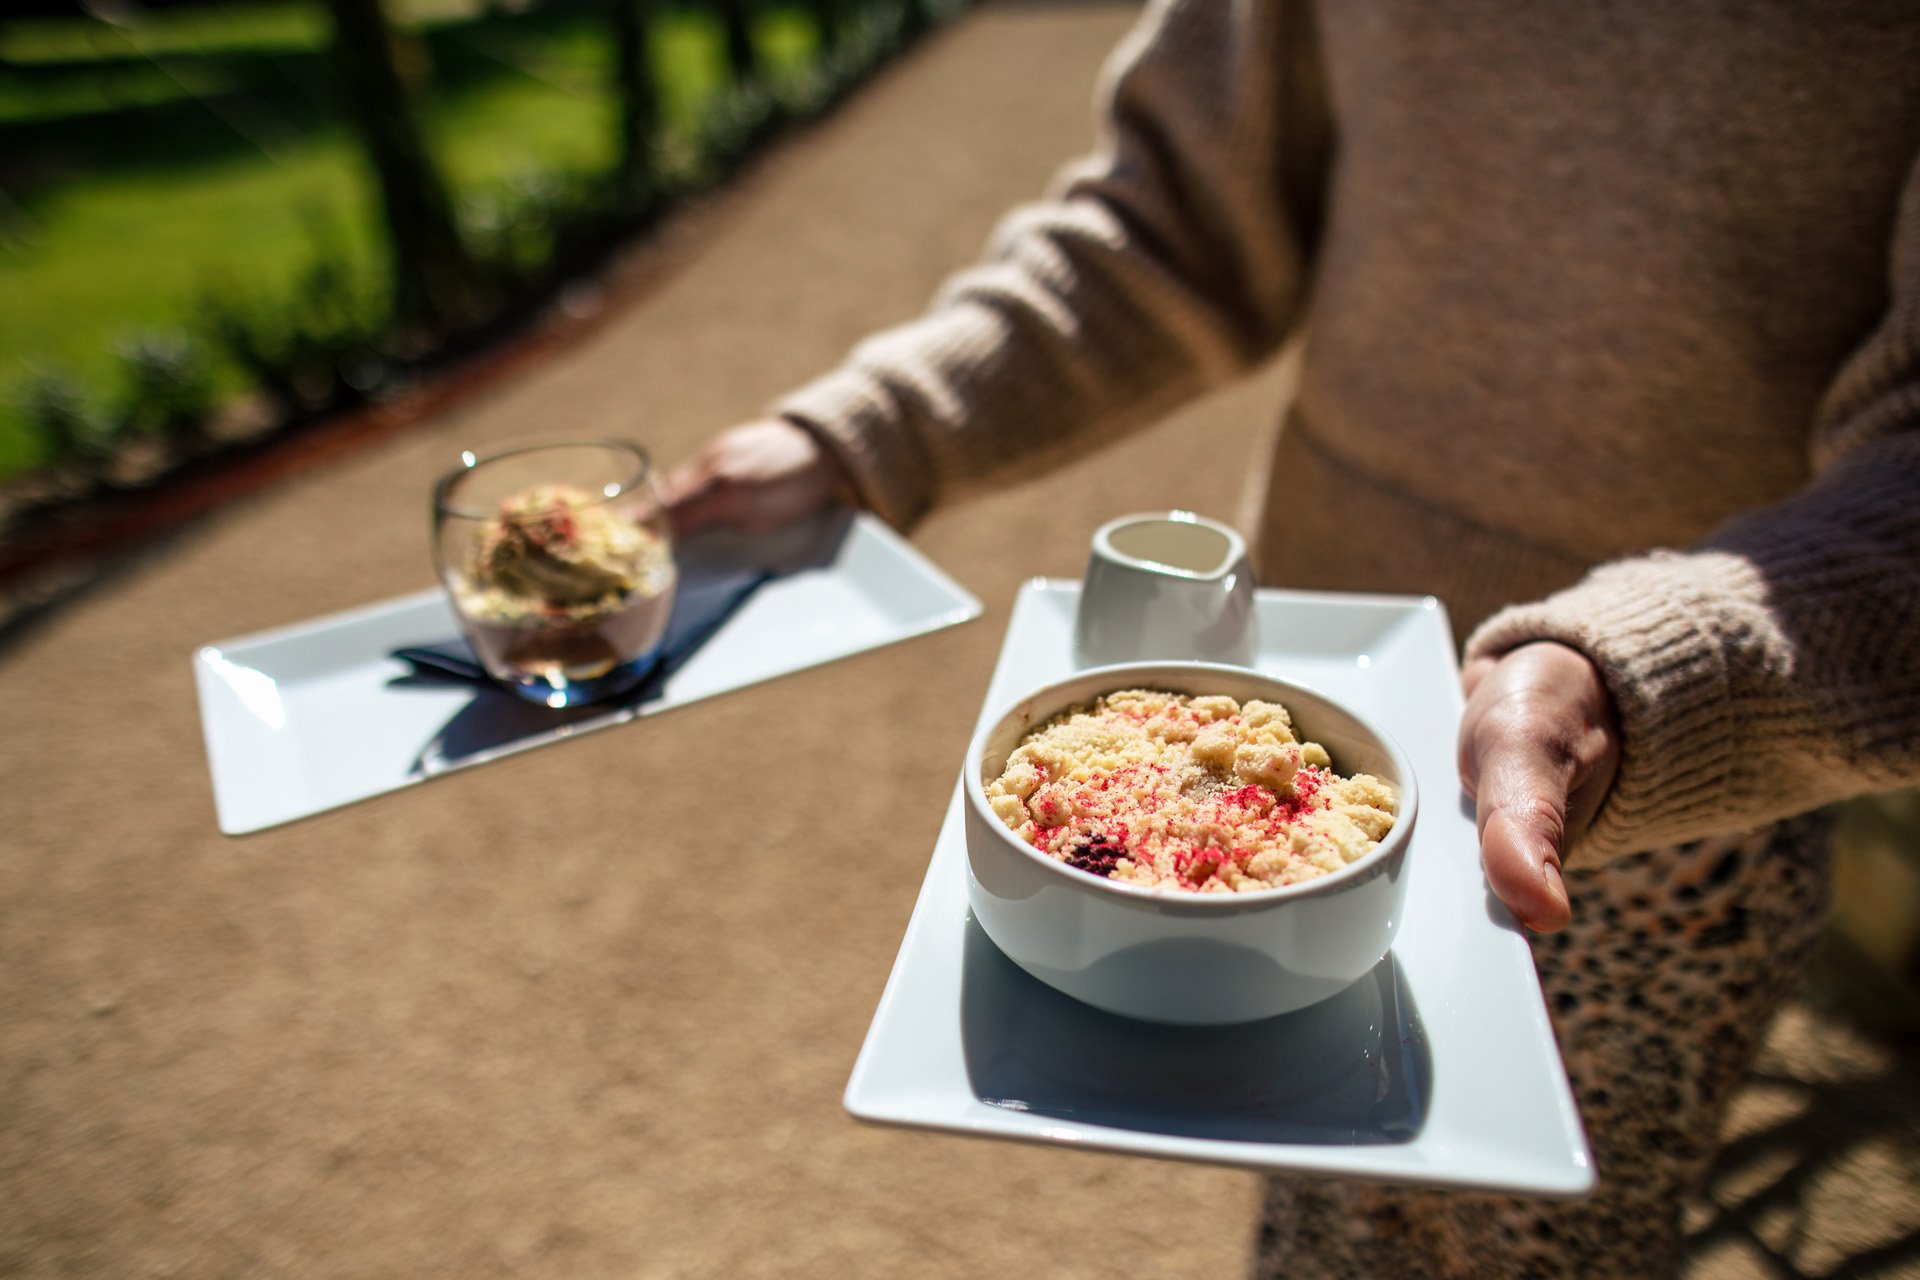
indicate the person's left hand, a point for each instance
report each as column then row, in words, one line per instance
column 755, row 478
column 1539, row 747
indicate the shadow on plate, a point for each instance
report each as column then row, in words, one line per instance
column 1352, row 1070
column 496, row 723
column 717, row 570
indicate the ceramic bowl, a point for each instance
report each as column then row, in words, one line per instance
column 1169, row 956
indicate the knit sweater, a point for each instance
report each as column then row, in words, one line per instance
column 1611, row 321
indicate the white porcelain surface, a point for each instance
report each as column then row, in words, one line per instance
column 1439, row 1068
column 1193, row 959
column 311, row 717
column 1166, row 585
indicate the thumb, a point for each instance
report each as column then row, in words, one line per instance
column 1521, row 809
column 697, row 496
column 698, row 508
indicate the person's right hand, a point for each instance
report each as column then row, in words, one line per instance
column 1539, row 749
column 755, row 478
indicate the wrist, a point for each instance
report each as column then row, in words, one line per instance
column 1646, row 625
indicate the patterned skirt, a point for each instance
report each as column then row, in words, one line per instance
column 1660, row 991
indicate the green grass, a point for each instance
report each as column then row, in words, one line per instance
column 130, row 251
column 245, row 29
column 115, row 230
column 249, row 29
column 110, row 87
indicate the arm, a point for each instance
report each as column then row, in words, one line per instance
column 1166, row 262
column 1776, row 666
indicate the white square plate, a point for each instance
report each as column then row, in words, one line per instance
column 1439, row 1068
column 311, row 717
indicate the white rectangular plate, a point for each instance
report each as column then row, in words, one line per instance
column 311, row 717
column 1440, row 1068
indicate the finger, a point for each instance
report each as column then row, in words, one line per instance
column 1522, row 863
column 1473, row 728
column 1522, row 814
column 710, row 501
column 1593, row 779
column 687, row 479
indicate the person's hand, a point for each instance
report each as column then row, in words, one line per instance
column 1539, row 746
column 755, row 478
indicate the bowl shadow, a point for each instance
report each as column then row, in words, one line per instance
column 1353, row 1070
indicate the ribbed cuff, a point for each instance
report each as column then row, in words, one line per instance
column 1654, row 630
column 854, row 419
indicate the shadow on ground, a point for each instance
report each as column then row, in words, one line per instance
column 1820, row 1175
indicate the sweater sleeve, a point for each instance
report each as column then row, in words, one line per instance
column 1775, row 667
column 1168, row 260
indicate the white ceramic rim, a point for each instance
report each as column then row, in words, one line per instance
column 974, row 785
column 1236, row 545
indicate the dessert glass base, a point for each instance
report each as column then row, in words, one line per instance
column 553, row 686
column 567, row 663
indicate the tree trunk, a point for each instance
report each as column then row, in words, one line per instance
column 826, row 16
column 736, row 16
column 916, row 20
column 435, row 284
column 638, row 96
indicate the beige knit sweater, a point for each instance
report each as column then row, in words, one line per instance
column 1580, row 284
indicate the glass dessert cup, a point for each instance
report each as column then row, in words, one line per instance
column 559, row 564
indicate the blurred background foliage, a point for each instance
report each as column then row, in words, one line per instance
column 295, row 201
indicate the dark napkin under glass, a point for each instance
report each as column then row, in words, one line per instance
column 700, row 604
